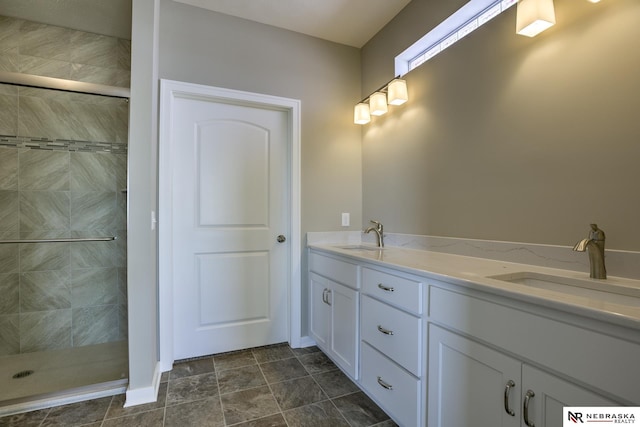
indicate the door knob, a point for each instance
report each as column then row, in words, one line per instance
column 281, row 239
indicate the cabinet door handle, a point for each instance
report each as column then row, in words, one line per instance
column 507, row 390
column 525, row 412
column 384, row 330
column 324, row 295
column 328, row 301
column 384, row 385
column 386, row 288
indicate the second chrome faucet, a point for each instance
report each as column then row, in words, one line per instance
column 379, row 230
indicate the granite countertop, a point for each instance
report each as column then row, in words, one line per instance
column 472, row 272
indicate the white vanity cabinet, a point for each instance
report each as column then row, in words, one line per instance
column 334, row 309
column 497, row 384
column 473, row 384
column 391, row 332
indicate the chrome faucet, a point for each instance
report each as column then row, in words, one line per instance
column 594, row 244
column 379, row 229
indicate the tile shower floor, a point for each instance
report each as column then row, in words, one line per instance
column 269, row 386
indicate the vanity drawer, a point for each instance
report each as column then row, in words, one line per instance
column 334, row 269
column 395, row 390
column 396, row 290
column 393, row 332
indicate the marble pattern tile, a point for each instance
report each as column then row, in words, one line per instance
column 232, row 380
column 45, row 330
column 9, row 32
column 122, row 286
column 44, row 256
column 28, row 419
column 192, row 388
column 99, row 75
column 144, row 419
column 44, row 210
column 10, row 60
column 359, row 410
column 8, row 169
column 248, row 405
column 123, row 325
column 9, row 293
column 335, row 383
column 299, row 392
column 92, row 172
column 49, row 118
column 9, row 258
column 44, row 67
column 320, row 414
column 8, row 115
column 191, row 368
column 316, row 363
column 95, row 325
column 77, row 413
column 9, row 210
column 276, row 420
column 93, row 286
column 202, row 413
column 6, row 89
column 94, row 49
column 45, row 41
column 273, row 352
column 282, row 370
column 44, row 290
column 233, row 360
column 9, row 334
column 91, row 254
column 93, row 210
column 44, row 170
column 124, row 54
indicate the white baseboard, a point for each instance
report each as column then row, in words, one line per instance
column 306, row 341
column 140, row 396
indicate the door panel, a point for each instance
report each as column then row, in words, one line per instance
column 229, row 203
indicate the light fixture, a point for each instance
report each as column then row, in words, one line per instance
column 534, row 16
column 397, row 92
column 378, row 103
column 361, row 114
column 393, row 92
column 593, row 1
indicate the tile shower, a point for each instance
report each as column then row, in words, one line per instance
column 63, row 174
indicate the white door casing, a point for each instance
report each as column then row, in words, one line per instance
column 218, row 144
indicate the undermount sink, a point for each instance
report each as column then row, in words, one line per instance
column 601, row 290
column 360, row 248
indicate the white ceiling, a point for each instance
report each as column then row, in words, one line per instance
column 350, row 22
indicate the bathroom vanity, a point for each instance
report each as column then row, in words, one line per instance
column 447, row 340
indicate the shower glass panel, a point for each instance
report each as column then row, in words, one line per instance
column 63, row 312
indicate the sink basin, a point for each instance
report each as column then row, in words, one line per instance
column 600, row 290
column 360, row 248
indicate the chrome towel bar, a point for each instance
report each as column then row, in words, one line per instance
column 61, row 240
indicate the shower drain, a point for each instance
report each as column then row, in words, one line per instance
column 23, row 374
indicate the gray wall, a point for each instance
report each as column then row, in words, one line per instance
column 199, row 46
column 511, row 138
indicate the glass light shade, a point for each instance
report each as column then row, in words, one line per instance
column 397, row 92
column 378, row 104
column 361, row 114
column 534, row 16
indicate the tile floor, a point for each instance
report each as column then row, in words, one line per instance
column 273, row 386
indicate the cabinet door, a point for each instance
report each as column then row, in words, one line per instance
column 551, row 394
column 468, row 383
column 320, row 311
column 344, row 327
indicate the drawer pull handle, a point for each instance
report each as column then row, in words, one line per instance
column 386, row 288
column 384, row 384
column 525, row 412
column 384, row 330
column 507, row 390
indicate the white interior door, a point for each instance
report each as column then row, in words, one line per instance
column 229, row 205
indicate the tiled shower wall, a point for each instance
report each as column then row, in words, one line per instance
column 63, row 167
